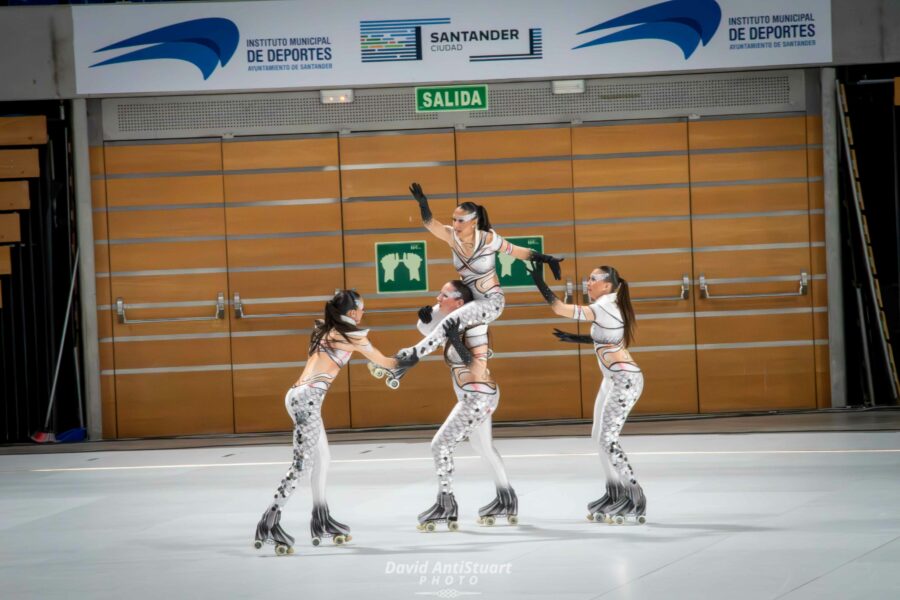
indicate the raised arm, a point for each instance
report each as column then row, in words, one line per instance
column 362, row 345
column 438, row 229
column 569, row 311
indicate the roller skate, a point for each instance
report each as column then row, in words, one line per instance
column 323, row 526
column 506, row 504
column 444, row 510
column 597, row 508
column 629, row 507
column 406, row 359
column 269, row 530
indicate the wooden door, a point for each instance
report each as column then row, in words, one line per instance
column 632, row 211
column 168, row 284
column 285, row 259
column 376, row 171
column 751, row 237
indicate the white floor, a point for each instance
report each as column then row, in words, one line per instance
column 814, row 515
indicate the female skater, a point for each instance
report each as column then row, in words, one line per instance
column 612, row 331
column 475, row 246
column 331, row 344
column 466, row 353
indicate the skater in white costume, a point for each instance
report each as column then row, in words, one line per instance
column 332, row 342
column 612, row 331
column 475, row 247
column 466, row 352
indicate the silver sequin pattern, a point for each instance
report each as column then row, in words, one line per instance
column 304, row 405
column 470, row 411
column 624, row 392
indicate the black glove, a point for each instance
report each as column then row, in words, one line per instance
column 407, row 362
column 416, row 190
column 537, row 274
column 550, row 260
column 565, row 336
column 451, row 330
column 425, row 314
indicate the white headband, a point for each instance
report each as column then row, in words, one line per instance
column 454, row 294
column 601, row 276
column 468, row 217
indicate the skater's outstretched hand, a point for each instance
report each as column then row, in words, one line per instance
column 425, row 314
column 451, row 330
column 416, row 190
column 405, row 362
column 565, row 336
column 551, row 261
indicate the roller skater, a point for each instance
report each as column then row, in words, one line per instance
column 612, row 331
column 474, row 246
column 466, row 353
column 332, row 342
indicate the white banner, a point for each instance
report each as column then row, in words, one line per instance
column 199, row 46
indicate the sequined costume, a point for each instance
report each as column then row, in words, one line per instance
column 470, row 418
column 622, row 384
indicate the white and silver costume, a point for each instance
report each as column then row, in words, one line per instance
column 479, row 272
column 622, row 384
column 471, row 418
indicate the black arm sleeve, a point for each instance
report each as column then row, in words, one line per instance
column 552, row 261
column 451, row 328
column 565, row 336
column 416, row 190
column 537, row 276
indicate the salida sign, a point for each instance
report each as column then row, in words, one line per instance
column 457, row 97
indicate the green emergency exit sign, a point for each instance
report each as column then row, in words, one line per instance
column 453, row 97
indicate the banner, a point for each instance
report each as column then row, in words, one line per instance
column 301, row 44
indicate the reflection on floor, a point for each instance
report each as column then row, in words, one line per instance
column 770, row 515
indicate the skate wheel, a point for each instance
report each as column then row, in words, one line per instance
column 590, row 517
column 512, row 519
column 393, row 383
column 420, row 527
column 338, row 540
column 258, row 544
column 607, row 519
column 281, row 549
column 453, row 526
column 348, row 537
column 641, row 520
column 429, row 526
column 619, row 520
column 489, row 521
column 316, row 541
column 291, row 550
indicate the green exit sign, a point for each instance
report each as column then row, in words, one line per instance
column 454, row 97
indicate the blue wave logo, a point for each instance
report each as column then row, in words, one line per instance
column 685, row 23
column 205, row 43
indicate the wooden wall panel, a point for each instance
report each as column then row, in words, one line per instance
column 312, row 250
column 163, row 158
column 195, row 189
column 23, row 131
column 279, row 154
column 742, row 166
column 747, row 133
column 172, row 255
column 618, row 139
column 17, row 164
column 166, row 224
column 651, row 170
column 752, row 263
column 749, row 198
column 168, row 404
column 261, row 220
column 108, row 406
column 171, row 353
column 14, row 195
column 404, row 148
column 496, row 177
column 621, row 204
column 5, row 262
column 396, row 181
column 756, row 379
column 754, row 230
column 9, row 228
column 282, row 186
column 512, row 143
column 607, row 237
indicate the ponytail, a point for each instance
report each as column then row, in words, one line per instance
column 484, row 222
column 623, row 299
column 343, row 302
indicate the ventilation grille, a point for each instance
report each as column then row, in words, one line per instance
column 510, row 104
column 263, row 113
column 600, row 97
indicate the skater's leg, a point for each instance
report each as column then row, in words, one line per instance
column 482, row 442
column 484, row 311
column 625, row 390
column 444, row 443
column 319, row 472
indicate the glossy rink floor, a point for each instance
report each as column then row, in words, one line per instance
column 775, row 515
